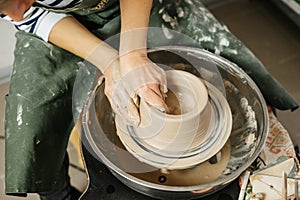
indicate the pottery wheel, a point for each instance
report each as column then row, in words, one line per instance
column 215, row 138
column 247, row 137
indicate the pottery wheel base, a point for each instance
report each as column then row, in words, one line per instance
column 203, row 173
column 104, row 185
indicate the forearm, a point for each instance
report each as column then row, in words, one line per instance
column 70, row 35
column 134, row 25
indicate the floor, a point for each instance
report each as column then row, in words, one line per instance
column 272, row 37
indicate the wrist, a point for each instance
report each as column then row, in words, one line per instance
column 103, row 56
column 133, row 55
column 133, row 41
column 133, row 60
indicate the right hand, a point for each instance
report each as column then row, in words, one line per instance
column 144, row 79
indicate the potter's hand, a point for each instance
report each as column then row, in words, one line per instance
column 142, row 78
column 138, row 77
column 118, row 96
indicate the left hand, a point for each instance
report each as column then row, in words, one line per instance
column 118, row 96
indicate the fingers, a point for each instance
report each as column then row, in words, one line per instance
column 147, row 81
column 145, row 75
column 128, row 111
column 119, row 98
column 123, row 105
column 154, row 97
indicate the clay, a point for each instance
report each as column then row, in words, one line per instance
column 176, row 133
column 187, row 138
column 173, row 103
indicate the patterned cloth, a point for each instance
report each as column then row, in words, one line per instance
column 278, row 146
column 279, row 143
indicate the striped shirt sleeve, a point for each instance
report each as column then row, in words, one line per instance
column 37, row 21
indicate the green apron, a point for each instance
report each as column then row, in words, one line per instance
column 39, row 113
